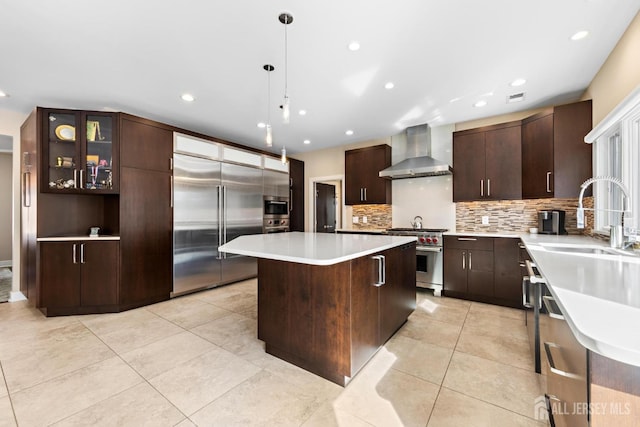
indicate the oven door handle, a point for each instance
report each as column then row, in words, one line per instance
column 435, row 249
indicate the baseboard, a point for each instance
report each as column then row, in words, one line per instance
column 16, row 296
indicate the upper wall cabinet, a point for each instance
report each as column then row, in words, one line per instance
column 79, row 151
column 363, row 185
column 486, row 163
column 555, row 159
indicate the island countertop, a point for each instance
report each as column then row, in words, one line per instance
column 312, row 248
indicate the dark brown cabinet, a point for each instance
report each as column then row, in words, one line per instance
column 555, row 158
column 146, row 214
column 296, row 195
column 78, row 276
column 363, row 185
column 484, row 269
column 486, row 163
column 79, row 151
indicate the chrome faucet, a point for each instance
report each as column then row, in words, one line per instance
column 616, row 236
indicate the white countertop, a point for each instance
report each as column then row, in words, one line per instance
column 362, row 231
column 312, row 248
column 75, row 238
column 599, row 295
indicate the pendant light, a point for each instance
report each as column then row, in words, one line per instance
column 283, row 159
column 286, row 19
column 269, row 137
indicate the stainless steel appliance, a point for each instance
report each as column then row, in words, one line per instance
column 275, row 214
column 551, row 222
column 214, row 202
column 533, row 289
column 428, row 255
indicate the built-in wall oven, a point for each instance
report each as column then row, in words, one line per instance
column 275, row 214
column 429, row 257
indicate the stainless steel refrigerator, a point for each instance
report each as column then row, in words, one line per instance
column 214, row 202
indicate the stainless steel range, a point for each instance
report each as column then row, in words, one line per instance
column 428, row 255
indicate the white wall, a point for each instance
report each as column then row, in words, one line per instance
column 10, row 122
column 6, row 194
column 429, row 197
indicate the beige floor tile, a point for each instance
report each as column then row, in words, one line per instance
column 66, row 395
column 186, row 423
column 235, row 333
column 456, row 410
column 161, row 356
column 329, row 416
column 238, row 303
column 496, row 310
column 265, row 400
column 140, row 405
column 226, row 291
column 378, row 395
column 423, row 360
column 504, row 349
column 3, row 385
column 33, row 327
column 188, row 312
column 194, row 384
column 7, row 419
column 451, row 302
column 503, row 385
column 427, row 330
column 497, row 326
column 61, row 351
column 435, row 309
column 131, row 329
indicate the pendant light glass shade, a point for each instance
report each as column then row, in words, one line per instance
column 269, row 136
column 283, row 159
column 286, row 110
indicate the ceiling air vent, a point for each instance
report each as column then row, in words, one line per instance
column 516, row 97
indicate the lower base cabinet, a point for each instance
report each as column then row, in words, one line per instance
column 78, row 277
column 484, row 269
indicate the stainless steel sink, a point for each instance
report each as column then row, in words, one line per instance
column 587, row 249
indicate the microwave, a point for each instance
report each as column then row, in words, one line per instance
column 276, row 206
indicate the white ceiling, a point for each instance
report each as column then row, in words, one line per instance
column 140, row 56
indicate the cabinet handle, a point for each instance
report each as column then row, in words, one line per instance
column 290, row 200
column 381, row 270
column 546, row 300
column 82, row 253
column 170, row 163
column 467, row 239
column 548, row 398
column 552, row 365
column 26, row 189
column 365, row 194
column 488, row 187
column 548, row 182
column 482, row 188
column 75, row 259
column 464, row 260
column 526, row 303
column 171, row 191
column 81, row 178
column 470, row 260
column 521, row 245
column 533, row 278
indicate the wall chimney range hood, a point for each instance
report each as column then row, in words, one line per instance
column 418, row 161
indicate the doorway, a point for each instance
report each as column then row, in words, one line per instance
column 6, row 215
column 325, row 208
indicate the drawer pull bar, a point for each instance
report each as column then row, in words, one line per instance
column 547, row 300
column 552, row 366
column 467, row 239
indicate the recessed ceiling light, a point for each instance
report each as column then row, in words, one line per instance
column 188, row 97
column 306, row 141
column 455, row 99
column 3, row 94
column 261, row 125
column 354, row 46
column 349, row 132
column 580, row 35
column 517, row 82
column 480, row 103
column 302, row 112
column 389, row 85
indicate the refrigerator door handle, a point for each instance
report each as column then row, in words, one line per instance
column 219, row 188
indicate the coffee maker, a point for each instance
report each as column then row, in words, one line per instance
column 551, row 222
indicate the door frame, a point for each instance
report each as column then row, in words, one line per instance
column 311, row 224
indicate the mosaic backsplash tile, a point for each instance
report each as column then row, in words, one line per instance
column 517, row 215
column 378, row 216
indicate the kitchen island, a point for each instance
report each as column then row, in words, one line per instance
column 328, row 302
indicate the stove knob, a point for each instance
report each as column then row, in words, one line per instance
column 421, row 239
column 435, row 240
column 429, row 240
column 270, row 222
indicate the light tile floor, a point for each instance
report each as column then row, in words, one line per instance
column 195, row 360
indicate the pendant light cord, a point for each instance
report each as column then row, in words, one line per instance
column 286, row 67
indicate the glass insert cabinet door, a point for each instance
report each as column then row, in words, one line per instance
column 80, row 148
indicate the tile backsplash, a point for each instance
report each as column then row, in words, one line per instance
column 517, row 215
column 378, row 216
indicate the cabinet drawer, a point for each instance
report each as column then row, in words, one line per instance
column 469, row 242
